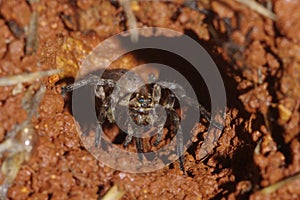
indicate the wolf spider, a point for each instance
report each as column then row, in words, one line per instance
column 144, row 105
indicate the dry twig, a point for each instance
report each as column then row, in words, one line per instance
column 258, row 8
column 19, row 143
column 276, row 186
column 114, row 193
column 131, row 19
column 26, row 77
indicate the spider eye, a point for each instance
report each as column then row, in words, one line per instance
column 141, row 100
column 144, row 105
column 149, row 100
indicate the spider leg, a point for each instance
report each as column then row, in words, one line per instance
column 152, row 78
column 158, row 121
column 139, row 142
column 160, row 131
column 98, row 135
column 129, row 136
column 91, row 80
column 139, row 147
column 207, row 116
column 103, row 113
column 169, row 106
column 179, row 136
column 203, row 111
column 156, row 95
column 180, row 94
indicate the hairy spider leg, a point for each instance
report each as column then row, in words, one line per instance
column 160, row 131
column 139, row 141
column 182, row 95
column 101, row 119
column 139, row 147
column 152, row 78
column 203, row 112
column 156, row 95
column 177, row 129
column 91, row 80
column 179, row 136
column 169, row 106
column 99, row 92
column 129, row 136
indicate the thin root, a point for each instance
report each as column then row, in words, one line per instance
column 258, row 8
column 32, row 35
column 26, row 77
column 115, row 193
column 19, row 142
column 276, row 186
column 131, row 20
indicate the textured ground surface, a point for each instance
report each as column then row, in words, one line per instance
column 259, row 59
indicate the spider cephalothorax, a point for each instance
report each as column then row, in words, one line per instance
column 141, row 107
column 145, row 105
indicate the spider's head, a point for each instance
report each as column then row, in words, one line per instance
column 140, row 106
column 141, row 103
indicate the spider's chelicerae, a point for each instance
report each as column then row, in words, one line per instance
column 118, row 87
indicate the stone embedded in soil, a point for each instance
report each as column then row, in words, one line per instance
column 11, row 10
column 288, row 18
column 257, row 99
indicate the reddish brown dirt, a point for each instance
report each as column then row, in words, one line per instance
column 259, row 60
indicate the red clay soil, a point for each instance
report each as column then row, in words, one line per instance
column 259, row 59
